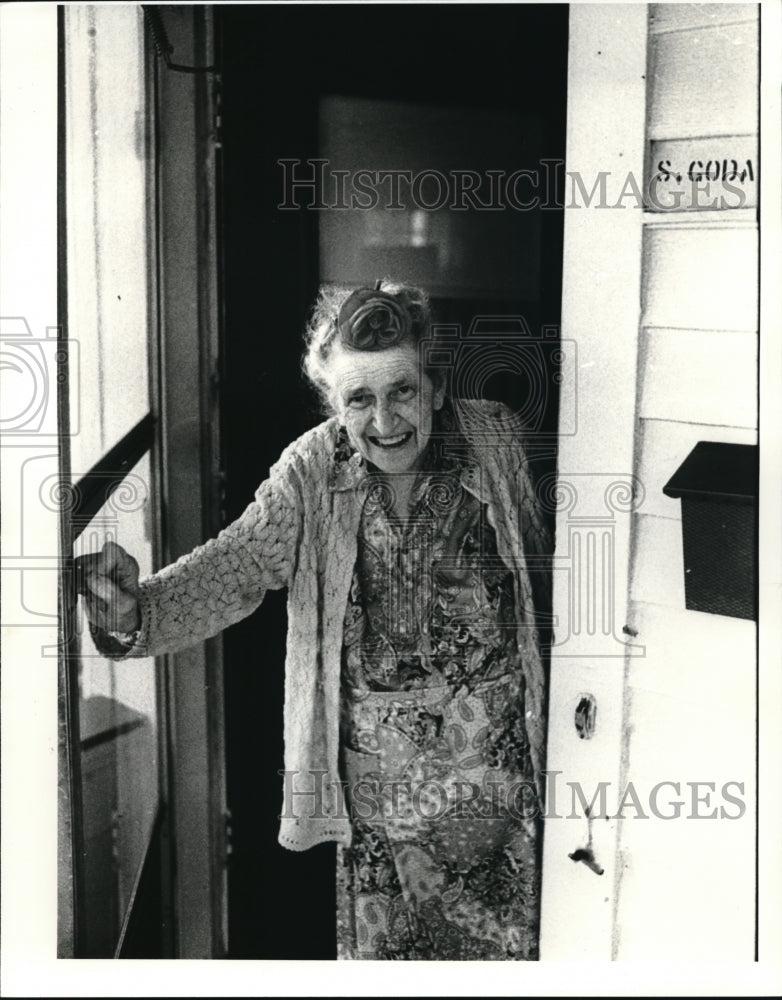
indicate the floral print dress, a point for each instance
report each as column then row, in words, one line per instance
column 444, row 861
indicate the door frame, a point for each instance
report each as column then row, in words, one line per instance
column 596, row 492
column 191, row 486
column 184, row 366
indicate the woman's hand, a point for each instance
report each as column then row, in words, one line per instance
column 108, row 581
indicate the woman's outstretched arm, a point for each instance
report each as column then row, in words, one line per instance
column 210, row 588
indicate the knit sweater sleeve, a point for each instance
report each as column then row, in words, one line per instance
column 224, row 580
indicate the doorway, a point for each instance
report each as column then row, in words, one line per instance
column 433, row 85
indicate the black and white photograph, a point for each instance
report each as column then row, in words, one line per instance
column 391, row 478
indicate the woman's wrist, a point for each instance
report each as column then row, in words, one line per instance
column 127, row 623
column 126, row 637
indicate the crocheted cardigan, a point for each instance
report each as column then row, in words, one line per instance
column 301, row 532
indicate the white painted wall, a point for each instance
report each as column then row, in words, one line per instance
column 662, row 308
column 686, row 886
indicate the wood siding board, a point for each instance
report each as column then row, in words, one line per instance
column 695, row 663
column 658, row 570
column 687, row 16
column 698, row 376
column 701, row 279
column 704, row 82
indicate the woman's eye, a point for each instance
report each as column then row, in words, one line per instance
column 358, row 402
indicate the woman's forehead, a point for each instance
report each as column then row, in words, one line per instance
column 371, row 369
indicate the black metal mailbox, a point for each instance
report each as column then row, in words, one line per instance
column 718, row 487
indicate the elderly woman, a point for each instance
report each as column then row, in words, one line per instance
column 406, row 531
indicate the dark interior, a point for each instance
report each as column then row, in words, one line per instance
column 278, row 62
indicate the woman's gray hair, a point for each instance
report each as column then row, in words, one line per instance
column 405, row 306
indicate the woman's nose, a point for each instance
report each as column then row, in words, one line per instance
column 384, row 419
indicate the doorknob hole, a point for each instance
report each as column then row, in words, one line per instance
column 586, row 716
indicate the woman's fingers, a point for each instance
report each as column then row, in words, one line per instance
column 112, row 562
column 97, row 613
column 118, row 614
column 103, row 587
column 85, row 567
column 108, row 580
column 120, row 565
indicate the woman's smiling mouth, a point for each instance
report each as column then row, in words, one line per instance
column 395, row 441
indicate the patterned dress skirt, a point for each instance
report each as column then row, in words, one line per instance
column 444, row 862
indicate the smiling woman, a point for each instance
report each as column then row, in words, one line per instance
column 384, row 406
column 366, row 364
column 407, row 531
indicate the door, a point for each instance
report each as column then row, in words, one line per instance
column 108, row 474
column 484, row 91
column 596, row 491
column 143, row 847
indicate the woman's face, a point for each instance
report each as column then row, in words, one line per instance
column 385, row 402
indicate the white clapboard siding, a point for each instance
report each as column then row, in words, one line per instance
column 664, row 445
column 684, row 16
column 701, row 279
column 686, row 885
column 657, row 575
column 704, row 82
column 716, row 218
column 700, row 377
column 694, row 876
column 694, row 655
column 692, row 702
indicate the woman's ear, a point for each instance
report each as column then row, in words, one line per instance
column 331, row 401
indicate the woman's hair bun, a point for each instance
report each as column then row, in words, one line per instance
column 362, row 319
column 371, row 320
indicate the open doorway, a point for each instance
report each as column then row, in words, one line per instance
column 424, row 88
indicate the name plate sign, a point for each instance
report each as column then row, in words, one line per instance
column 702, row 175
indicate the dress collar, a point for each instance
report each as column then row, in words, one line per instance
column 348, row 469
